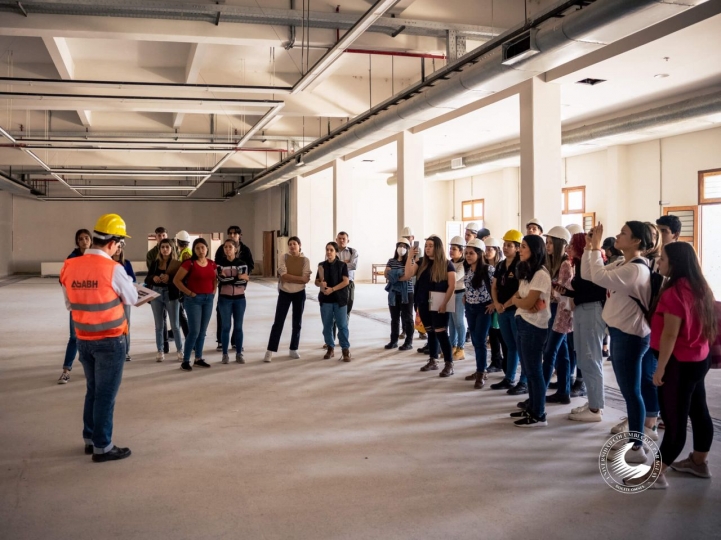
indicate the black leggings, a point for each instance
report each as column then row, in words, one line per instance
column 402, row 313
column 436, row 340
column 681, row 396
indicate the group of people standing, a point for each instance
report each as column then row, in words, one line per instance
column 557, row 298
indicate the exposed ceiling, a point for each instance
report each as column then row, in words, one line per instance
column 175, row 45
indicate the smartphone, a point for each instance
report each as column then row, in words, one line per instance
column 416, row 243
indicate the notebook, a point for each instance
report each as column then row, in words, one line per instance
column 437, row 300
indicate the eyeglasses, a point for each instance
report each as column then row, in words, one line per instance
column 121, row 243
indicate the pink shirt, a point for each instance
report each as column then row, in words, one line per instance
column 679, row 301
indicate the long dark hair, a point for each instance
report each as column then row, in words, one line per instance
column 527, row 269
column 82, row 231
column 171, row 257
column 405, row 257
column 197, row 241
column 559, row 255
column 481, row 272
column 683, row 264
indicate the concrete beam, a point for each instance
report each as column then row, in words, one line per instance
column 192, row 70
column 63, row 60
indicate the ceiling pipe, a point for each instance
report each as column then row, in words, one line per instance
column 129, row 85
column 659, row 116
column 84, row 147
column 140, row 198
column 126, row 187
column 9, row 184
column 177, row 138
column 129, row 172
column 566, row 36
column 375, row 12
column 396, row 53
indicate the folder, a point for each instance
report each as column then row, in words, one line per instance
column 437, row 300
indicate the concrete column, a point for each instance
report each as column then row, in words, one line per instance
column 511, row 217
column 342, row 197
column 617, row 181
column 541, row 170
column 411, row 183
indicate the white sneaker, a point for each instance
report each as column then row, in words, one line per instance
column 577, row 410
column 636, row 455
column 268, row 356
column 180, row 356
column 293, row 354
column 587, row 415
column 620, row 428
column 651, row 433
column 159, row 357
column 64, row 378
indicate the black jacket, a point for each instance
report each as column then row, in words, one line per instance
column 244, row 254
column 584, row 291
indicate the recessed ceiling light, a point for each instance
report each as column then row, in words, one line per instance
column 660, row 75
column 368, row 160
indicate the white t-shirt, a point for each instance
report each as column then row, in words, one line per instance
column 541, row 282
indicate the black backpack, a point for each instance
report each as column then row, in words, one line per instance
column 656, row 286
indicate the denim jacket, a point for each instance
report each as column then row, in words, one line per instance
column 395, row 285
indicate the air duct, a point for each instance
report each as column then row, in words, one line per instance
column 687, row 109
column 482, row 73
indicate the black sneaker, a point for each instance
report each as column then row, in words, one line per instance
column 523, row 405
column 424, row 350
column 392, row 345
column 494, row 369
column 88, row 449
column 114, row 455
column 519, row 389
column 406, row 347
column 606, row 353
column 185, row 366
column 578, row 389
column 505, row 384
column 219, row 347
column 519, row 414
column 561, row 399
column 201, row 363
column 531, row 422
column 166, row 347
column 553, row 385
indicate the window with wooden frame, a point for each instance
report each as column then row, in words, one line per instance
column 709, row 186
column 689, row 222
column 473, row 210
column 574, row 200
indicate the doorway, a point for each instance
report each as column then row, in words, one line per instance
column 711, row 247
column 268, row 253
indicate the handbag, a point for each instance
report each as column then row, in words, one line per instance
column 419, row 325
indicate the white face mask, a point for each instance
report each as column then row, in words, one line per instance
column 401, row 251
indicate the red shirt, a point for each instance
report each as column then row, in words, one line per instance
column 691, row 345
column 200, row 279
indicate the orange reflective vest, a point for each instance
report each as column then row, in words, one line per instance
column 97, row 310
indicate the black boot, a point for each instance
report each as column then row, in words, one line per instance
column 407, row 346
column 578, row 389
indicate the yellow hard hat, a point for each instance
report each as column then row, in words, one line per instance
column 111, row 225
column 513, row 236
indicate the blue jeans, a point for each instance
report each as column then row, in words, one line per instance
column 127, row 308
column 330, row 314
column 72, row 348
column 507, row 325
column 589, row 329
column 649, row 391
column 479, row 322
column 199, row 310
column 103, row 361
column 457, row 324
column 627, row 352
column 530, row 339
column 236, row 308
column 160, row 306
column 555, row 354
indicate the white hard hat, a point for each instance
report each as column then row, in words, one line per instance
column 574, row 228
column 492, row 242
column 407, row 231
column 458, row 241
column 183, row 236
column 535, row 221
column 473, row 227
column 559, row 232
column 404, row 241
column 476, row 243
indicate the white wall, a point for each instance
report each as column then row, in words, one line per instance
column 45, row 231
column 6, row 233
column 315, row 215
column 266, row 207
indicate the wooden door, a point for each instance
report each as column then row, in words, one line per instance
column 268, row 253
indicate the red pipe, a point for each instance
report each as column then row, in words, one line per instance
column 394, row 53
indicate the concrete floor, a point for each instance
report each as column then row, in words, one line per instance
column 306, row 448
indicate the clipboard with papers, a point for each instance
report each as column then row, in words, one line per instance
column 436, row 300
column 145, row 295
